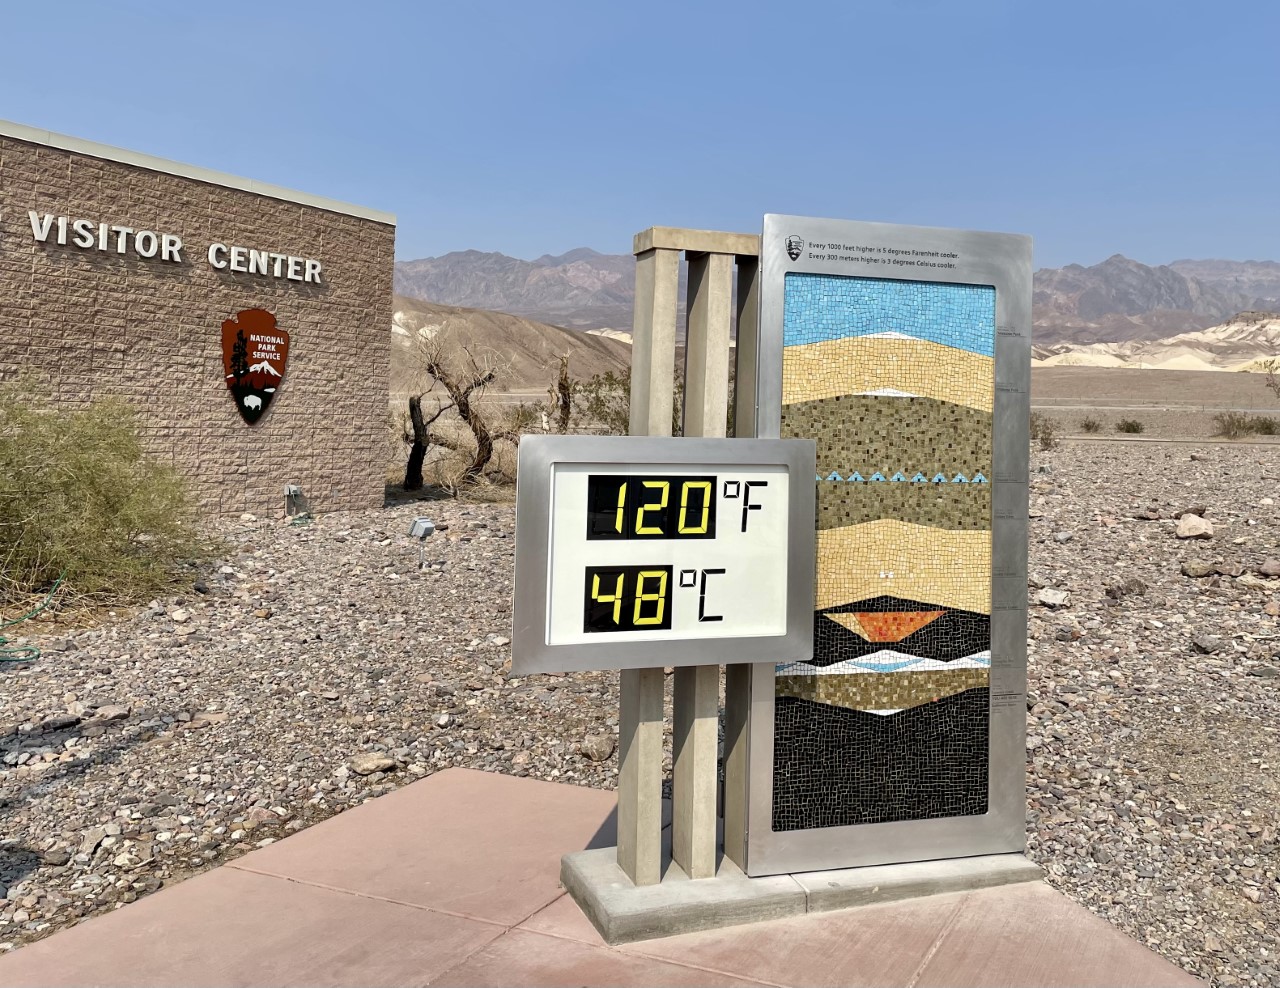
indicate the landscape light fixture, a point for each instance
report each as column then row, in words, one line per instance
column 293, row 500
column 421, row 529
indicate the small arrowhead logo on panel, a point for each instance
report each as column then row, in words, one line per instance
column 254, row 352
column 794, row 246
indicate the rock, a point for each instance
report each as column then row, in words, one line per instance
column 1206, row 644
column 58, row 722
column 1199, row 457
column 209, row 717
column 1199, row 510
column 262, row 612
column 1251, row 582
column 200, row 587
column 260, row 814
column 1271, row 608
column 1198, row 568
column 1148, row 514
column 90, row 840
column 369, row 762
column 180, row 615
column 1132, row 587
column 444, row 720
column 1053, row 598
column 57, row 856
column 248, row 516
column 598, row 747
column 1063, row 537
column 1229, row 569
column 1265, row 671
column 1270, row 568
column 500, row 641
column 111, row 711
column 1192, row 526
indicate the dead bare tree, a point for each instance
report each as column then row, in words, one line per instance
column 462, row 384
column 564, row 396
column 420, row 439
column 1273, row 377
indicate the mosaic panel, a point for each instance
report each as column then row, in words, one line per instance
column 889, row 721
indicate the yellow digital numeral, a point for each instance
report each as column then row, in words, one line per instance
column 660, row 595
column 615, row 598
column 622, row 502
column 705, row 486
column 641, row 527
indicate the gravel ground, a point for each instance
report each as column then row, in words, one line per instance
column 315, row 667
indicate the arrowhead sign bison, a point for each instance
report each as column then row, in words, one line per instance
column 254, row 352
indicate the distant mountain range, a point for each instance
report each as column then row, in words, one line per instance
column 1116, row 300
column 1243, row 343
column 582, row 289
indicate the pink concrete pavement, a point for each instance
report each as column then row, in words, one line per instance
column 454, row 881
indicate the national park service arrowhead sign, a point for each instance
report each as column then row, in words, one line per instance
column 254, row 352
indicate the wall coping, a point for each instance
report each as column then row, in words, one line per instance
column 35, row 135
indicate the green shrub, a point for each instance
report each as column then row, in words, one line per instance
column 603, row 404
column 1234, row 425
column 77, row 496
column 1043, row 431
column 1091, row 425
column 1130, row 425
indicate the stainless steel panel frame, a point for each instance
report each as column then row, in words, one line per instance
column 1004, row 262
column 538, row 454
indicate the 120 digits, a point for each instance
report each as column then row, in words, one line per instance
column 650, row 507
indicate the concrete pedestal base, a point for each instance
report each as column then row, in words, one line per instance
column 623, row 912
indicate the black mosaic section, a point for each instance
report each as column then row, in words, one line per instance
column 835, row 767
column 954, row 635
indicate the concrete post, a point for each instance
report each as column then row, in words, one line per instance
column 640, row 714
column 737, row 678
column 696, row 690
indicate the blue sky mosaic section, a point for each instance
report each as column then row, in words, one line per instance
column 820, row 307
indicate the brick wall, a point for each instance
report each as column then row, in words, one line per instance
column 95, row 323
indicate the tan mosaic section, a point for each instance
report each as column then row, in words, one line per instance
column 914, row 562
column 814, row 371
column 881, row 691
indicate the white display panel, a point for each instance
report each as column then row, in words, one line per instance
column 639, row 553
column 635, row 552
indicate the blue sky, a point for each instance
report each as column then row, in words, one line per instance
column 1149, row 129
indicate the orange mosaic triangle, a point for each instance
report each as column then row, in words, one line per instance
column 889, row 626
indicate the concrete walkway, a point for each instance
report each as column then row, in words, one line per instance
column 453, row 881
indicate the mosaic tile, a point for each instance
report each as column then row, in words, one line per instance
column 895, row 383
column 891, row 435
column 885, row 626
column 876, row 366
column 875, row 692
column 885, row 660
column 834, row 767
column 954, row 635
column 949, row 506
column 918, row 562
column 831, row 307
